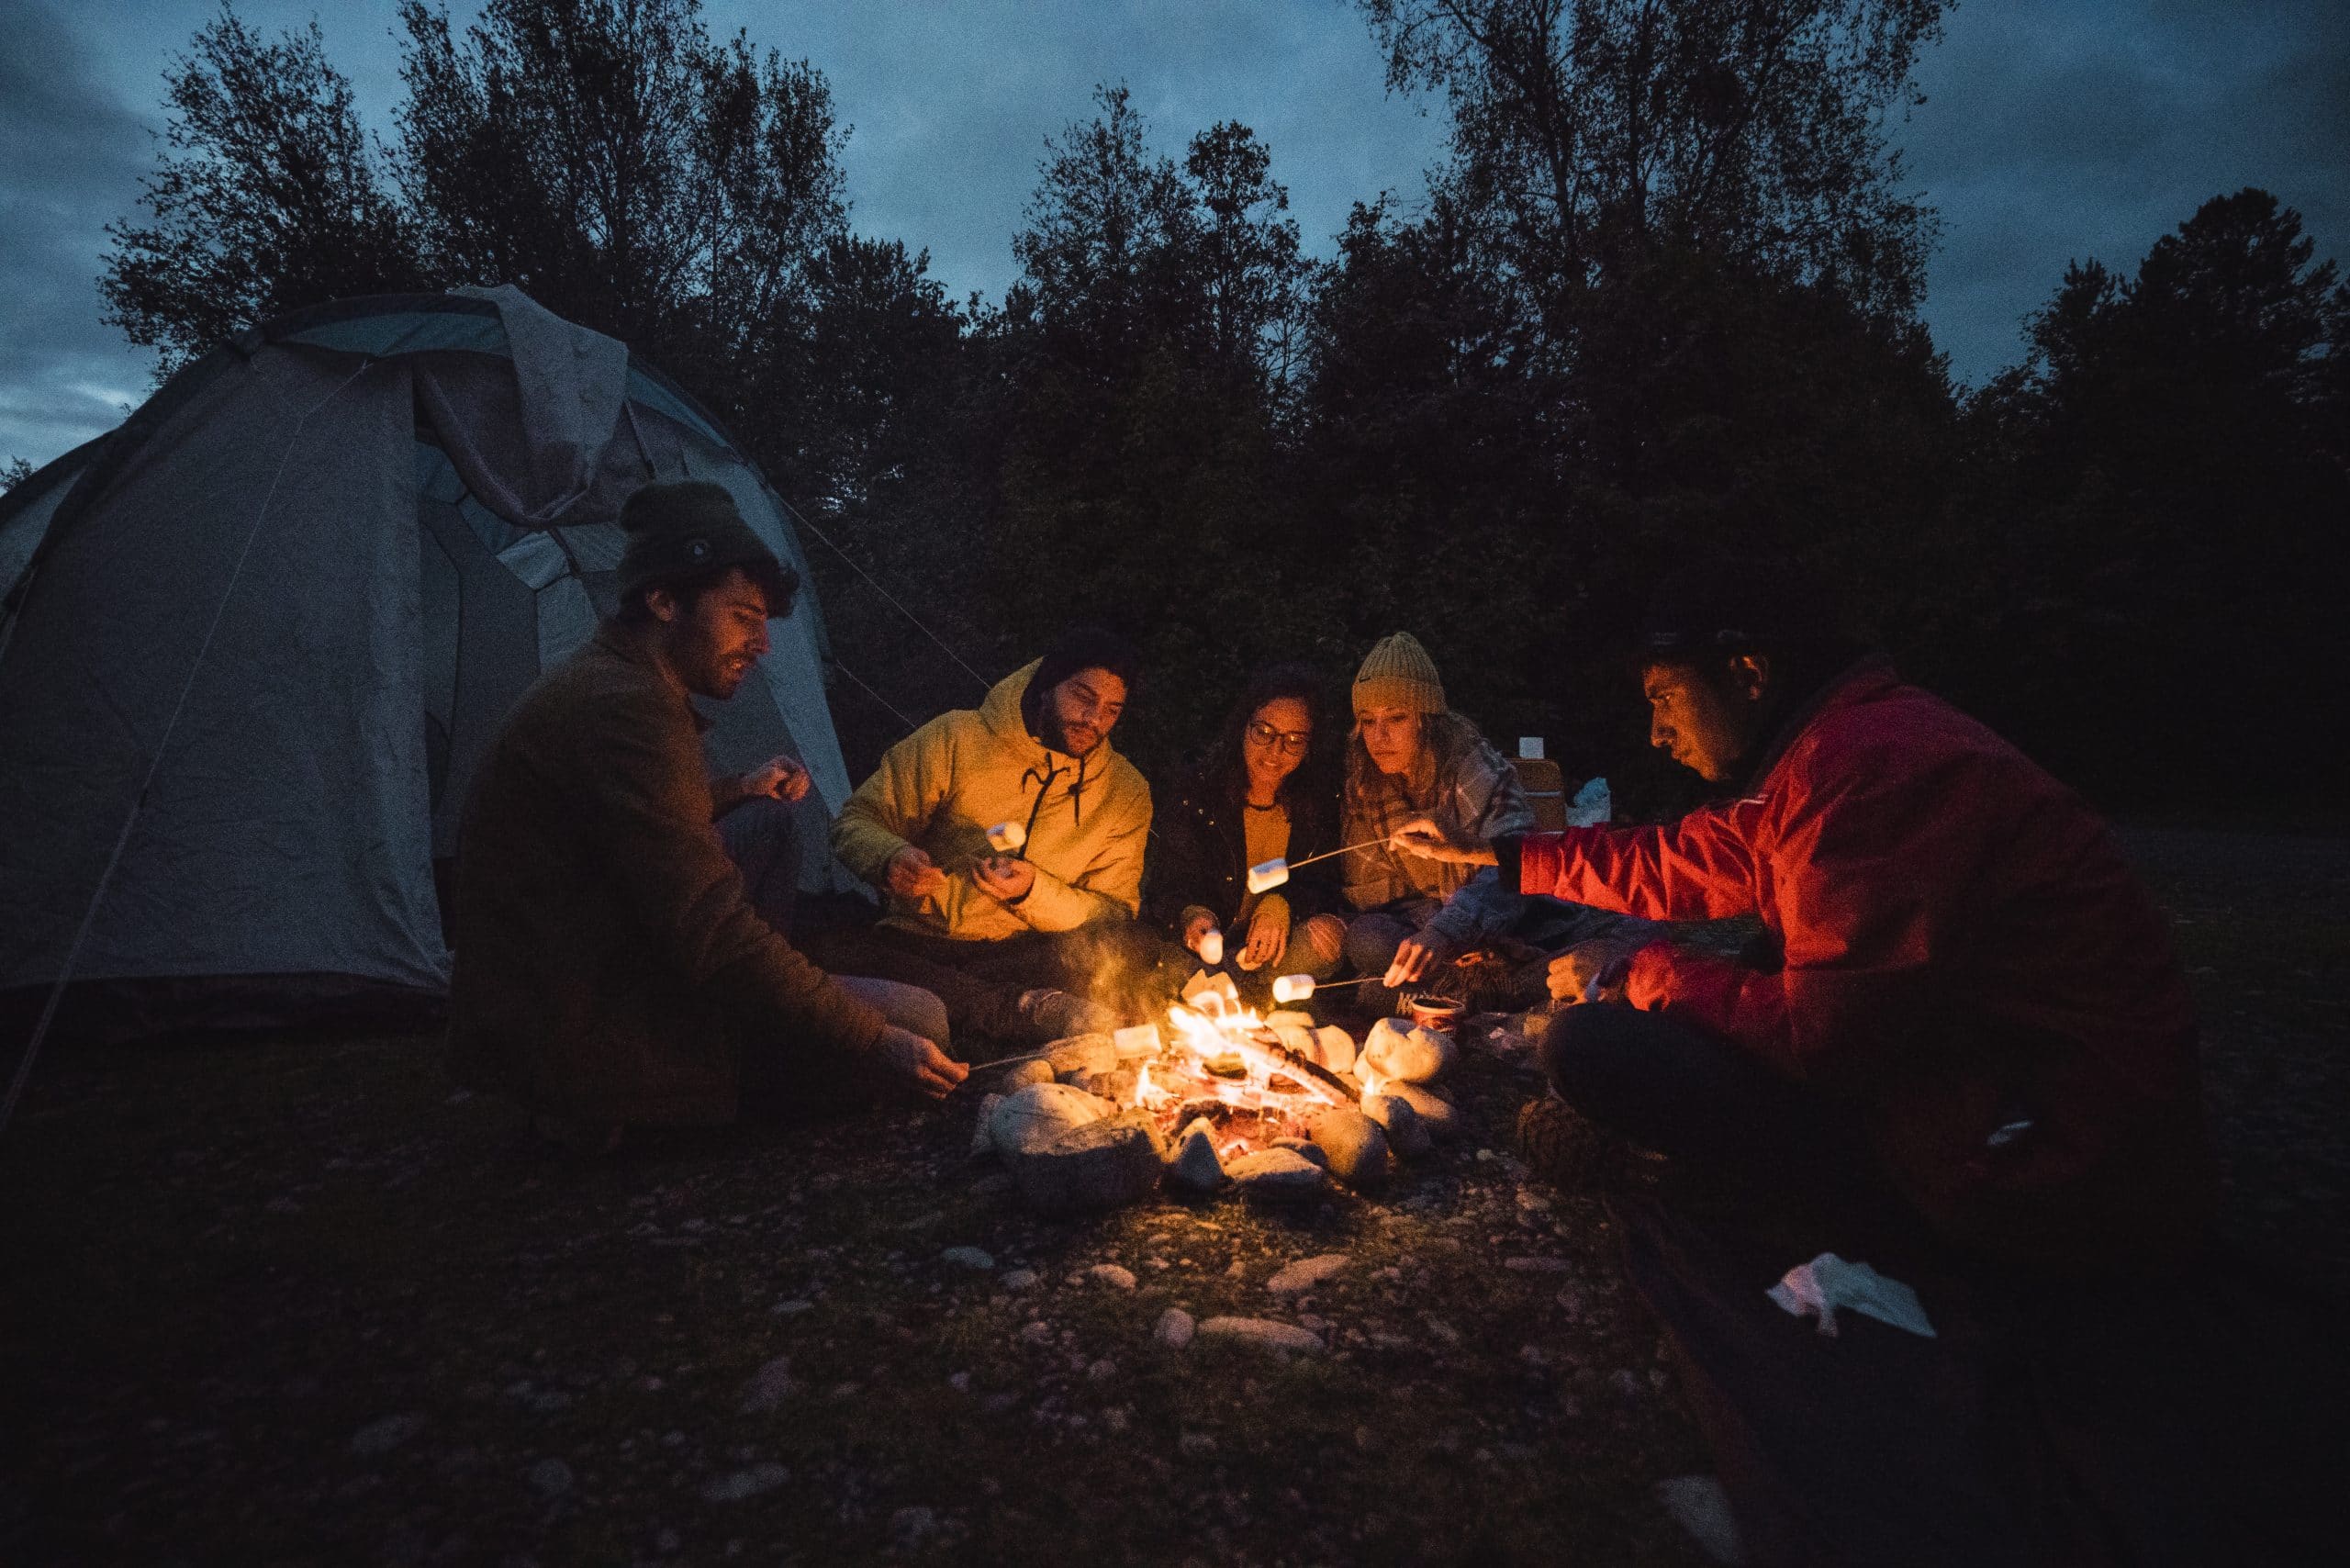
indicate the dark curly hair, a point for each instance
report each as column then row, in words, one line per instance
column 1221, row 768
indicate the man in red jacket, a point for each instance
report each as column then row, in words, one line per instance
column 1964, row 991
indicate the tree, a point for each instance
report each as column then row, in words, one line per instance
column 18, row 471
column 268, row 199
column 1751, row 130
column 2163, row 479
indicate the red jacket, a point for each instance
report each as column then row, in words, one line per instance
column 1963, row 947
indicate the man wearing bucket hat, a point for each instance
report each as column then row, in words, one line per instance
column 611, row 967
column 1414, row 761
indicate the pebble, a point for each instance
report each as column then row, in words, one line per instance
column 1019, row 1280
column 1306, row 1274
column 383, row 1436
column 737, row 1484
column 1101, row 1371
column 1175, row 1329
column 1263, row 1333
column 909, row 1527
column 551, row 1478
column 769, row 1386
column 1700, row 1505
column 1112, row 1275
column 1038, row 1333
column 967, row 1257
column 1277, row 1175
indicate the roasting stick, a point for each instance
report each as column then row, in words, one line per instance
column 1299, row 988
column 1267, row 875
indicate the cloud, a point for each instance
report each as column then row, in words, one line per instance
column 71, row 153
column 2054, row 133
column 952, row 104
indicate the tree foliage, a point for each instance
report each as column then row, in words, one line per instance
column 1660, row 298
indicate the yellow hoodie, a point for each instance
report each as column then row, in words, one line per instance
column 943, row 786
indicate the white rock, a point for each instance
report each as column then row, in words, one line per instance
column 1019, row 1280
column 1355, row 1146
column 1306, row 1274
column 1277, row 1175
column 1098, row 1165
column 1441, row 1118
column 1407, row 1135
column 1026, row 1073
column 1288, row 1018
column 737, row 1484
column 1033, row 1117
column 769, row 1386
column 983, row 1135
column 1395, row 1049
column 1112, row 1275
column 1195, row 1165
column 967, row 1257
column 1175, row 1329
column 1263, row 1333
column 1335, row 1048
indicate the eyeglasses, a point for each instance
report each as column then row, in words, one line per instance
column 1292, row 742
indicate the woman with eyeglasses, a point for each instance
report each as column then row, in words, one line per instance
column 1264, row 789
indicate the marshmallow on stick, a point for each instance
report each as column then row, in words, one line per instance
column 1007, row 836
column 1212, row 948
column 1300, row 988
column 1267, row 875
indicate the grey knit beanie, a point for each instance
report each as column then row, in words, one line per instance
column 683, row 529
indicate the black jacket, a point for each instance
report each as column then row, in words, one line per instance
column 1199, row 854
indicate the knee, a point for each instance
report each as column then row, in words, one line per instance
column 1577, row 1051
column 924, row 1014
column 1319, row 946
column 1370, row 943
column 761, row 823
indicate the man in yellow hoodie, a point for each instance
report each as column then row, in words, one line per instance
column 1025, row 943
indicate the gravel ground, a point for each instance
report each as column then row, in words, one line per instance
column 293, row 1300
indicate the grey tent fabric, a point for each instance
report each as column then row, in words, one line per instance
column 365, row 529
column 287, row 831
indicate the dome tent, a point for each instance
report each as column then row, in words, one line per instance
column 254, row 641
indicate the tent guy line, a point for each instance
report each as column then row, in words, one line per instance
column 163, row 744
column 985, row 684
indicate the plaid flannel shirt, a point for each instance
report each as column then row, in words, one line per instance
column 1474, row 795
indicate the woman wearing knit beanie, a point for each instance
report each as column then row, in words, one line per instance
column 1414, row 757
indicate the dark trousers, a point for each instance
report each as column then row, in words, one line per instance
column 982, row 982
column 761, row 835
column 1760, row 1147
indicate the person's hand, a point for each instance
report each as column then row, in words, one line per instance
column 1425, row 837
column 1416, row 957
column 1268, row 935
column 911, row 876
column 911, row 1060
column 1197, row 931
column 1592, row 971
column 780, row 776
column 1007, row 877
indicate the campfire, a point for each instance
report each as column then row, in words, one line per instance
column 1218, row 1093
